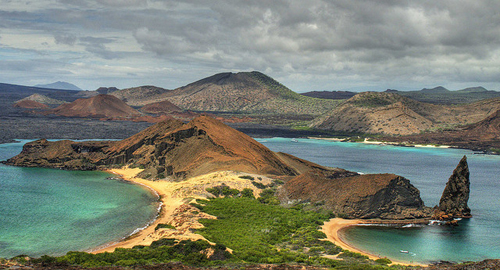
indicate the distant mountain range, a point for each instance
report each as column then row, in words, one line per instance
column 437, row 95
column 60, row 86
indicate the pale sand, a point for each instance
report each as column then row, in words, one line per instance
column 333, row 227
column 175, row 198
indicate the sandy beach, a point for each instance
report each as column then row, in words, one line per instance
column 176, row 211
column 335, row 225
column 333, row 229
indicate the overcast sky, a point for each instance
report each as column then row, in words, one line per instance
column 306, row 45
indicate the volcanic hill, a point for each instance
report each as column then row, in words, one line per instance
column 142, row 95
column 162, row 107
column 43, row 99
column 392, row 114
column 244, row 92
column 106, row 106
column 174, row 151
column 30, row 104
column 481, row 136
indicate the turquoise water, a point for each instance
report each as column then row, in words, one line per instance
column 428, row 169
column 50, row 211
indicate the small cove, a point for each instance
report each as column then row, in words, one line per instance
column 428, row 169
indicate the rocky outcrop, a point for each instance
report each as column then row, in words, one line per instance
column 453, row 203
column 351, row 195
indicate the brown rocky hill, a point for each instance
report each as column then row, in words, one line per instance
column 142, row 95
column 244, row 92
column 98, row 106
column 386, row 196
column 167, row 149
column 392, row 114
column 162, row 107
column 30, row 104
column 172, row 150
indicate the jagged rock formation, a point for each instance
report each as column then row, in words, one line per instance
column 351, row 195
column 98, row 106
column 392, row 114
column 453, row 203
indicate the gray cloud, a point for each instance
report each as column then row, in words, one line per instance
column 316, row 44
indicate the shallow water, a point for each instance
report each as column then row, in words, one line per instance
column 428, row 169
column 50, row 211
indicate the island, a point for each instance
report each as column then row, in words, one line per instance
column 187, row 163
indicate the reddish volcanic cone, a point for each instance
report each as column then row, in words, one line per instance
column 98, row 106
column 30, row 104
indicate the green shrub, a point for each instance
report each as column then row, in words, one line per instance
column 247, row 193
column 259, row 185
column 383, row 261
column 163, row 225
column 248, row 177
column 267, row 197
column 223, row 190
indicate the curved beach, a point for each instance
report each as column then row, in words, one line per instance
column 175, row 198
column 333, row 230
column 144, row 236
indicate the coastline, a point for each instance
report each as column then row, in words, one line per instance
column 366, row 141
column 176, row 211
column 170, row 203
column 145, row 236
column 334, row 228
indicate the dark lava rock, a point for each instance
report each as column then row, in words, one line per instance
column 453, row 203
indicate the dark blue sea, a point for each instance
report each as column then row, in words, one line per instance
column 428, row 169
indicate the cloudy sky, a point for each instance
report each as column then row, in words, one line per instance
column 306, row 45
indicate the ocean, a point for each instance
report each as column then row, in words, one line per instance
column 428, row 169
column 51, row 211
column 47, row 211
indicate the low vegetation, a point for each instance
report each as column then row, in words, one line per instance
column 256, row 231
